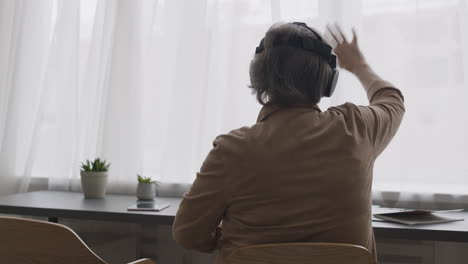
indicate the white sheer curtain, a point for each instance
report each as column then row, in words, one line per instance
column 149, row 84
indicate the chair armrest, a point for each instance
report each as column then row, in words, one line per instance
column 143, row 261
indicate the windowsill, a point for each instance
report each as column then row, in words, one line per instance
column 163, row 189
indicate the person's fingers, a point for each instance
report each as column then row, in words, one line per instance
column 340, row 32
column 354, row 41
column 330, row 34
column 333, row 35
column 329, row 39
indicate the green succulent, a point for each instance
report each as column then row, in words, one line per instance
column 96, row 166
column 142, row 179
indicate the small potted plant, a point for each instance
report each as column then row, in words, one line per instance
column 146, row 189
column 94, row 178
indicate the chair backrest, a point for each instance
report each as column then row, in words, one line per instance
column 39, row 242
column 301, row 253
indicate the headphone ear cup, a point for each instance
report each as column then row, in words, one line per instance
column 332, row 83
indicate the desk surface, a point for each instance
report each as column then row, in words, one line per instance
column 114, row 208
column 73, row 205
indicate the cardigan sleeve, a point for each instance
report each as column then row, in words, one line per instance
column 202, row 207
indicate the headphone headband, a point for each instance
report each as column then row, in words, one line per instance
column 308, row 43
column 302, row 24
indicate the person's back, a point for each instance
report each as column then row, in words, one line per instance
column 297, row 175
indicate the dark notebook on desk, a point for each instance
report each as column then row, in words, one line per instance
column 147, row 206
column 416, row 216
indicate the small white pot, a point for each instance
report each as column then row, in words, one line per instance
column 93, row 184
column 146, row 191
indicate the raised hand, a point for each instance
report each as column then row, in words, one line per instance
column 349, row 55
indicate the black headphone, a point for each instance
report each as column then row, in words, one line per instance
column 317, row 46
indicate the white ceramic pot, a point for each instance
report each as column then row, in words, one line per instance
column 93, row 184
column 146, row 191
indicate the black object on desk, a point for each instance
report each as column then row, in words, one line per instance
column 417, row 216
column 148, row 206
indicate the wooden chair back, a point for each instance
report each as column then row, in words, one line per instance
column 38, row 242
column 301, row 253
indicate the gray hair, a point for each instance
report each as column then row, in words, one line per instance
column 285, row 75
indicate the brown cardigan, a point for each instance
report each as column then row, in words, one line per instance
column 297, row 175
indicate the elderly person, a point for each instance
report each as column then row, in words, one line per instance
column 299, row 174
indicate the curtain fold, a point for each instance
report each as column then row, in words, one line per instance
column 28, row 42
column 59, row 108
column 122, row 141
column 148, row 85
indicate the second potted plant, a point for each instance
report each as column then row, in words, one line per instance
column 146, row 190
column 94, row 178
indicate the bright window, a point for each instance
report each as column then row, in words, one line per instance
column 149, row 84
